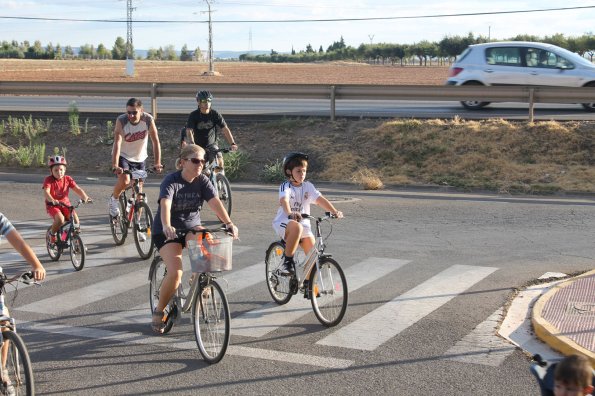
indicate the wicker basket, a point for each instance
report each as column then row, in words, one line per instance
column 211, row 253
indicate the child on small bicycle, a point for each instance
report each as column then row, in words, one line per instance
column 295, row 197
column 573, row 376
column 55, row 190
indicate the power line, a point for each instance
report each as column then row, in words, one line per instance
column 304, row 20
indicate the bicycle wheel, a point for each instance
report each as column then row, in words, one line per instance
column 210, row 315
column 54, row 251
column 118, row 223
column 328, row 292
column 77, row 252
column 224, row 190
column 17, row 379
column 142, row 224
column 279, row 286
column 156, row 274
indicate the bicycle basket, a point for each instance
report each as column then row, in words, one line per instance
column 211, row 253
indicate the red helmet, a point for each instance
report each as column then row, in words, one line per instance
column 56, row 160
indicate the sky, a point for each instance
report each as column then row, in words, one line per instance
column 244, row 25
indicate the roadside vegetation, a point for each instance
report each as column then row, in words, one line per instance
column 493, row 155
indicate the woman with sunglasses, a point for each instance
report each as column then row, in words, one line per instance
column 181, row 196
column 131, row 134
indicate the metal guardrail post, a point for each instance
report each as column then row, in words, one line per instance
column 531, row 103
column 332, row 102
column 154, row 99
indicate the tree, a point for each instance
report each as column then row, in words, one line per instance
column 198, row 55
column 169, row 53
column 309, row 49
column 86, row 51
column 68, row 52
column 103, row 52
column 184, row 54
column 58, row 52
column 320, row 50
column 119, row 49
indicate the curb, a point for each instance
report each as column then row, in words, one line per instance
column 548, row 333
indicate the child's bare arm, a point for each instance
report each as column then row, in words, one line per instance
column 326, row 205
column 48, row 197
column 81, row 193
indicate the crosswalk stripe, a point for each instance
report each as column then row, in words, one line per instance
column 482, row 345
column 259, row 322
column 385, row 322
column 170, row 342
column 231, row 282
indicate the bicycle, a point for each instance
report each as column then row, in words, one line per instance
column 208, row 252
column 318, row 276
column 135, row 212
column 217, row 177
column 16, row 377
column 67, row 236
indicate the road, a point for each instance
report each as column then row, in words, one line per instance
column 301, row 107
column 426, row 270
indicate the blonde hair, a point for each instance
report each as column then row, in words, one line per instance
column 187, row 151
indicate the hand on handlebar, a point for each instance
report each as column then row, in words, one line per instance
column 338, row 214
column 233, row 147
column 117, row 170
column 158, row 168
column 232, row 230
column 170, row 232
column 295, row 216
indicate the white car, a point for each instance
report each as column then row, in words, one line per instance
column 520, row 63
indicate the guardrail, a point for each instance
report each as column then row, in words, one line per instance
column 521, row 94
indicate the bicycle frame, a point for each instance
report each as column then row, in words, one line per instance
column 136, row 195
column 312, row 257
column 68, row 226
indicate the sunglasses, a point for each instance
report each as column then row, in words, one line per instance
column 204, row 101
column 196, row 161
column 135, row 112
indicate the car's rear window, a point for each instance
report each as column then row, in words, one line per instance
column 506, row 56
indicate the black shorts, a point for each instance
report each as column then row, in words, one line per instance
column 132, row 166
column 160, row 240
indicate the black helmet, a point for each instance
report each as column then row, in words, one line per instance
column 204, row 95
column 290, row 157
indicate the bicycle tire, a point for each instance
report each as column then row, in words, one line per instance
column 328, row 292
column 54, row 251
column 224, row 191
column 18, row 366
column 279, row 286
column 118, row 223
column 157, row 272
column 212, row 322
column 142, row 226
column 77, row 252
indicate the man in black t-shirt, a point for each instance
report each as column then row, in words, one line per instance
column 201, row 128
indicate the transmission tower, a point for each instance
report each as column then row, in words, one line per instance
column 211, row 67
column 129, row 46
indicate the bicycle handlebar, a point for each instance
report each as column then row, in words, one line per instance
column 71, row 207
column 25, row 277
column 203, row 231
column 327, row 215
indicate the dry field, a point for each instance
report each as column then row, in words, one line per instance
column 231, row 72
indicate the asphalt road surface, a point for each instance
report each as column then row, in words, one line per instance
column 425, row 269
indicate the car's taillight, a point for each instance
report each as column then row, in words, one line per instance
column 453, row 71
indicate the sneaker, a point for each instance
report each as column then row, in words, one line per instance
column 142, row 237
column 286, row 268
column 7, row 386
column 114, row 207
column 52, row 237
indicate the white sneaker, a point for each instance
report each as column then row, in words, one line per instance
column 142, row 237
column 114, row 207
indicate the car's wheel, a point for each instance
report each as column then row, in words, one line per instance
column 474, row 104
column 589, row 106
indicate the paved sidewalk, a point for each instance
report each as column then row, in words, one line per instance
column 564, row 317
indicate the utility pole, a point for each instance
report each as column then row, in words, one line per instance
column 371, row 37
column 211, row 71
column 129, row 46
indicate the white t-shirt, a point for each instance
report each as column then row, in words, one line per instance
column 300, row 199
column 134, row 146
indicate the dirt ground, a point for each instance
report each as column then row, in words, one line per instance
column 231, row 72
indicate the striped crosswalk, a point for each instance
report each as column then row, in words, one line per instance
column 368, row 332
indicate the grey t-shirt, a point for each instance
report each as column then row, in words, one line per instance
column 186, row 200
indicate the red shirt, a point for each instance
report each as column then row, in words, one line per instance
column 59, row 188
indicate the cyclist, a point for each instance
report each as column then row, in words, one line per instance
column 180, row 199
column 201, row 128
column 55, row 189
column 295, row 197
column 131, row 134
column 18, row 243
column 573, row 376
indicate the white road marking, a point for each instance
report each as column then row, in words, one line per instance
column 385, row 322
column 170, row 342
column 482, row 345
column 261, row 321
